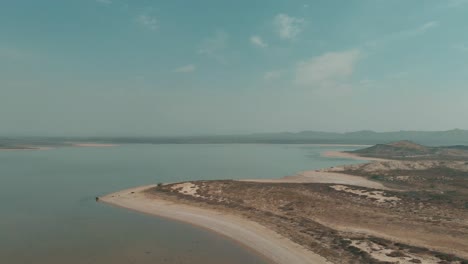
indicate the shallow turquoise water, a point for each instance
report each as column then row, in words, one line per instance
column 48, row 212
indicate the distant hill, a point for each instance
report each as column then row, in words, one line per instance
column 456, row 137
column 432, row 138
column 409, row 150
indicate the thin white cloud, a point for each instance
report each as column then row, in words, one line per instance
column 272, row 75
column 258, row 41
column 215, row 45
column 412, row 32
column 327, row 70
column 288, row 27
column 106, row 2
column 403, row 34
column 186, row 69
column 148, row 21
column 426, row 26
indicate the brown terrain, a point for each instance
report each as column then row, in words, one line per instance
column 401, row 210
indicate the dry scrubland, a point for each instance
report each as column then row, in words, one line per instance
column 344, row 224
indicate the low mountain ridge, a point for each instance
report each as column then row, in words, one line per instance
column 406, row 149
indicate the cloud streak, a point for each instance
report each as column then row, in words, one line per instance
column 148, row 21
column 272, row 75
column 258, row 41
column 186, row 69
column 329, row 69
column 425, row 27
column 214, row 46
column 288, row 27
column 407, row 33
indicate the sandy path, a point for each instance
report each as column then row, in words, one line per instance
column 253, row 235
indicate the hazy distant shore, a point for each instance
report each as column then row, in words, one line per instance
column 93, row 145
column 262, row 240
column 25, row 148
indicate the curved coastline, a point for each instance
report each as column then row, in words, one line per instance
column 261, row 239
column 264, row 241
column 254, row 236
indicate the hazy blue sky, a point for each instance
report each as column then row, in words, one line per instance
column 121, row 67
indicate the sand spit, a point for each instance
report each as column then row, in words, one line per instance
column 251, row 234
column 346, row 155
column 324, row 177
column 329, row 175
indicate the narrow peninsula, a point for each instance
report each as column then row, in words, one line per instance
column 408, row 204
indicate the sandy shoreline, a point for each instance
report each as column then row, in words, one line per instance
column 346, row 155
column 324, row 177
column 28, row 148
column 262, row 240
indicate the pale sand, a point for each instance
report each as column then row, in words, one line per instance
column 340, row 154
column 93, row 145
column 186, row 188
column 324, row 177
column 378, row 196
column 251, row 234
column 382, row 254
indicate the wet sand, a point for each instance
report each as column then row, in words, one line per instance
column 262, row 240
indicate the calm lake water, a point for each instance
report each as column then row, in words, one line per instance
column 48, row 213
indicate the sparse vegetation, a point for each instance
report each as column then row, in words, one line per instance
column 302, row 211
